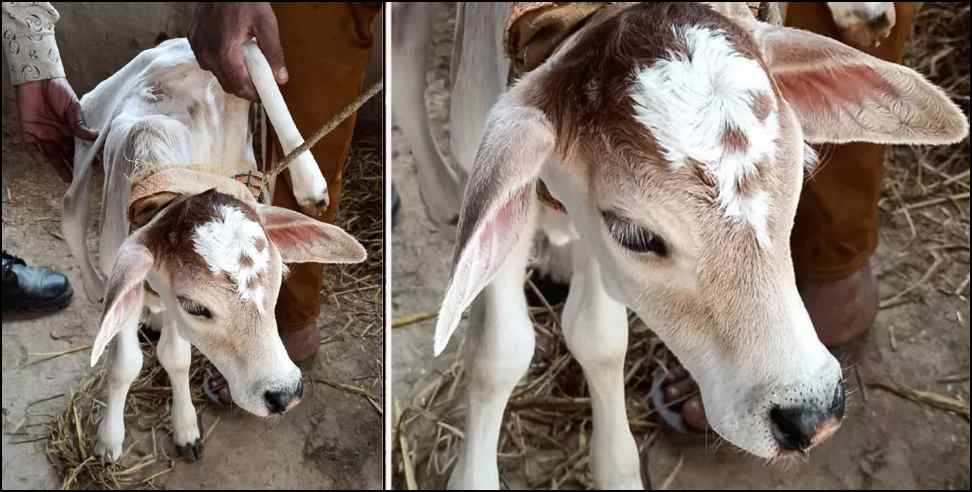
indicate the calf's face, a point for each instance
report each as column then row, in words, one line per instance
column 217, row 263
column 676, row 139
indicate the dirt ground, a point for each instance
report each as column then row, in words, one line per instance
column 920, row 340
column 333, row 439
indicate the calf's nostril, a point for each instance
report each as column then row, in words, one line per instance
column 794, row 428
column 277, row 401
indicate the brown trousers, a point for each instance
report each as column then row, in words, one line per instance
column 836, row 230
column 326, row 48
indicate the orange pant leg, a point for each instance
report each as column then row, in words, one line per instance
column 326, row 47
column 836, row 230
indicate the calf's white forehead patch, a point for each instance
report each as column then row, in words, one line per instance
column 698, row 105
column 233, row 244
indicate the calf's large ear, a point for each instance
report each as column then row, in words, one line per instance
column 125, row 294
column 841, row 94
column 301, row 239
column 497, row 202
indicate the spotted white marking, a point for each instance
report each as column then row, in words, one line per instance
column 690, row 98
column 224, row 242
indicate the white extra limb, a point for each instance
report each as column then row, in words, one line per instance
column 596, row 332
column 125, row 366
column 310, row 188
column 175, row 355
column 498, row 354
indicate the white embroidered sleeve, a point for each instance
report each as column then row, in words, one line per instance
column 28, row 41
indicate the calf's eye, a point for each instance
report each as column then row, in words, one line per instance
column 193, row 308
column 634, row 237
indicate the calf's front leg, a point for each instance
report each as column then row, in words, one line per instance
column 175, row 355
column 125, row 367
column 498, row 354
column 596, row 332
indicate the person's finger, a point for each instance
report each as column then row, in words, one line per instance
column 76, row 122
column 238, row 80
column 268, row 39
column 52, row 151
column 67, row 149
column 64, row 167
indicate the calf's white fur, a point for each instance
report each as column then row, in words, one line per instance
column 214, row 263
column 613, row 145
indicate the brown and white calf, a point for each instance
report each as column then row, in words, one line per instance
column 214, row 262
column 677, row 139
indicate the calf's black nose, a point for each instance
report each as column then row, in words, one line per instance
column 800, row 428
column 278, row 401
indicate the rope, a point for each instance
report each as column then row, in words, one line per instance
column 326, row 129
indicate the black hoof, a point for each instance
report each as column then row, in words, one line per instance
column 190, row 452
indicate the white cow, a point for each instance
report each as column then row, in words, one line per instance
column 214, row 260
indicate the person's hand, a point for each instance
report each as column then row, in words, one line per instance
column 217, row 34
column 50, row 117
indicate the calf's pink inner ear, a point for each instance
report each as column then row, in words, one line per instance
column 125, row 294
column 496, row 205
column 841, row 94
column 301, row 239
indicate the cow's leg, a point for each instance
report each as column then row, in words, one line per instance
column 498, row 353
column 175, row 355
column 125, row 366
column 596, row 332
column 439, row 186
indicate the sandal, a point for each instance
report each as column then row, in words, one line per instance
column 216, row 388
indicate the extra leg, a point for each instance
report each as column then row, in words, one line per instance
column 596, row 332
column 498, row 354
column 125, row 366
column 175, row 355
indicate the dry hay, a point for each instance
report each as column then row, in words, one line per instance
column 548, row 417
column 354, row 295
column 925, row 209
column 355, row 291
column 73, row 433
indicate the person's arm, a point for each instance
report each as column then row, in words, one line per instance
column 50, row 114
column 28, row 41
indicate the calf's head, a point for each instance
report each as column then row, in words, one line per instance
column 217, row 265
column 677, row 140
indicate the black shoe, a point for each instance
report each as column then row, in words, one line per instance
column 33, row 290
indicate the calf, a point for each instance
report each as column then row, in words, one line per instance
column 213, row 257
column 676, row 138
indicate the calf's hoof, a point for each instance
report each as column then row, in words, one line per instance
column 190, row 452
column 108, row 452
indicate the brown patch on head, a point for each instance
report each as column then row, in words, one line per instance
column 260, row 244
column 170, row 235
column 246, row 261
column 762, row 106
column 734, row 140
column 599, row 66
column 254, row 282
column 755, row 182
